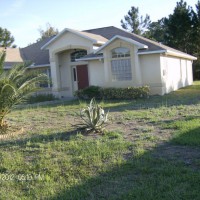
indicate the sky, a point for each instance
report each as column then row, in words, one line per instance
column 23, row 18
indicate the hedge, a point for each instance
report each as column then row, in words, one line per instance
column 113, row 93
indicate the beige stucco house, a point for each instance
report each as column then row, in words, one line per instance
column 109, row 57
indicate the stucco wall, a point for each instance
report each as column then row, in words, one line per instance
column 61, row 66
column 151, row 72
column 189, row 72
column 177, row 72
column 65, row 74
column 136, row 75
column 96, row 73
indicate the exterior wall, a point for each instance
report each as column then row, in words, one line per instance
column 61, row 65
column 189, row 73
column 136, row 73
column 66, row 88
column 162, row 73
column 96, row 73
column 151, row 73
column 177, row 73
column 65, row 74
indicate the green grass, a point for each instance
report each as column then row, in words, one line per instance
column 149, row 151
column 187, row 132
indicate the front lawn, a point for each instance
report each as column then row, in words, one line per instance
column 150, row 151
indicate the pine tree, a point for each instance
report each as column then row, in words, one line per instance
column 135, row 23
column 6, row 39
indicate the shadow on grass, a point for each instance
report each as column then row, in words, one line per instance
column 155, row 174
column 51, row 104
column 37, row 138
column 185, row 96
column 161, row 173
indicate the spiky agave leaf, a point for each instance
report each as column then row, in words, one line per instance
column 94, row 116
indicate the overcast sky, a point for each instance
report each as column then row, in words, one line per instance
column 23, row 18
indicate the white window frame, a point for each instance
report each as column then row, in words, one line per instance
column 121, row 72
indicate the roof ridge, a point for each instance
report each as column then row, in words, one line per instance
column 141, row 37
column 98, row 28
column 153, row 42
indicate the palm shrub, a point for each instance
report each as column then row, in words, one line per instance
column 15, row 85
column 94, row 117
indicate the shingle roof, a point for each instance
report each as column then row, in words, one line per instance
column 34, row 53
column 13, row 56
column 40, row 57
column 111, row 31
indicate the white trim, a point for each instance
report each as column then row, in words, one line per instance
column 171, row 53
column 152, row 52
column 38, row 66
column 62, row 32
column 140, row 45
column 182, row 55
column 29, row 67
column 7, row 67
column 93, row 58
column 100, row 42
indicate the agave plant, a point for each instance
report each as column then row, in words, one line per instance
column 94, row 117
column 15, row 85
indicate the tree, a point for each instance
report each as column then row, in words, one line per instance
column 15, row 85
column 156, row 31
column 135, row 23
column 6, row 39
column 196, row 36
column 179, row 28
column 48, row 32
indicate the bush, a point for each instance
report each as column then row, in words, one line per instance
column 113, row 93
column 88, row 93
column 41, row 98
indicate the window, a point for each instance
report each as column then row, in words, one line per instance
column 48, row 73
column 121, row 64
column 74, row 73
column 120, row 52
column 78, row 54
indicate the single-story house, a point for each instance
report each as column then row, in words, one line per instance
column 107, row 57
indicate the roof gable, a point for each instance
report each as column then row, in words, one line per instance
column 138, row 44
column 95, row 38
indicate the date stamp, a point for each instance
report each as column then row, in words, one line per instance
column 20, row 177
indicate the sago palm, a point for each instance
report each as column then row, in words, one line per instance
column 15, row 85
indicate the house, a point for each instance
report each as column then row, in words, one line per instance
column 108, row 57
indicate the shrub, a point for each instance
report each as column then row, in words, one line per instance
column 113, row 93
column 94, row 117
column 40, row 98
column 15, row 85
column 88, row 93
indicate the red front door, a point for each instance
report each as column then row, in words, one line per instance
column 82, row 75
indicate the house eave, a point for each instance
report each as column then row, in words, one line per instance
column 169, row 53
column 29, row 67
column 88, row 59
column 152, row 52
column 187, row 56
column 38, row 66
